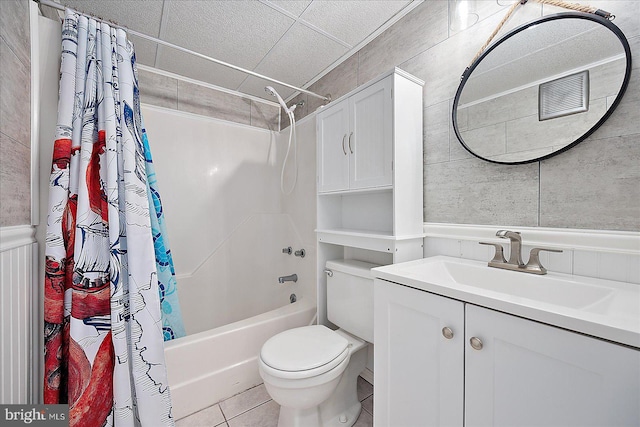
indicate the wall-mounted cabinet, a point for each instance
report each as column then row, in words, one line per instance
column 369, row 173
column 440, row 361
column 355, row 135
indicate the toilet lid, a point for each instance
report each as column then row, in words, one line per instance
column 302, row 349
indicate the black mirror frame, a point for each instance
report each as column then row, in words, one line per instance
column 564, row 15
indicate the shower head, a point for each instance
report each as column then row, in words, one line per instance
column 271, row 91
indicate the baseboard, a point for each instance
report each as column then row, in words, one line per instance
column 367, row 375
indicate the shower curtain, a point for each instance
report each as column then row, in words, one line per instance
column 110, row 295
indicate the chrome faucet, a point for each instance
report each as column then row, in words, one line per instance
column 291, row 278
column 515, row 256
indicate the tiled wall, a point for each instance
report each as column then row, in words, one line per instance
column 595, row 185
column 15, row 113
column 163, row 91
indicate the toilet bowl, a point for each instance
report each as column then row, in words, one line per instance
column 320, row 387
column 312, row 371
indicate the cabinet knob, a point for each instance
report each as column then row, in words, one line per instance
column 476, row 343
column 447, row 333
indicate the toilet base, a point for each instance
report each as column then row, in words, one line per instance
column 343, row 408
column 293, row 417
column 346, row 418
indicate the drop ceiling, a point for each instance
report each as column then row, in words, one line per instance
column 294, row 41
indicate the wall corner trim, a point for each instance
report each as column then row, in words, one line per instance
column 621, row 242
column 16, row 236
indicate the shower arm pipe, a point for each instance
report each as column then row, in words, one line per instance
column 185, row 50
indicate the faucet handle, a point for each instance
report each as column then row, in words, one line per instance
column 503, row 233
column 534, row 265
column 498, row 257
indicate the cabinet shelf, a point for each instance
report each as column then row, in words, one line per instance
column 372, row 190
column 365, row 239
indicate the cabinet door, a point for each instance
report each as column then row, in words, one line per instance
column 333, row 155
column 418, row 372
column 370, row 141
column 530, row 374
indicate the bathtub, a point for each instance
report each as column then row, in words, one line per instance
column 210, row 366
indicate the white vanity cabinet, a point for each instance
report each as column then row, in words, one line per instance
column 497, row 369
column 419, row 377
column 355, row 140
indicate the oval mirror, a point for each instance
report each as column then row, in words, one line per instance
column 542, row 88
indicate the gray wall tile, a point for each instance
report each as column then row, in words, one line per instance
column 158, row 90
column 264, row 116
column 473, row 191
column 416, row 32
column 15, row 183
column 339, row 81
column 14, row 28
column 625, row 120
column 15, row 113
column 594, row 185
column 208, row 102
column 436, row 133
column 15, row 104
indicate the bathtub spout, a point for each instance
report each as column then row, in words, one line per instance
column 291, row 278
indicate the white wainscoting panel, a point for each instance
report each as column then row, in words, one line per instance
column 17, row 249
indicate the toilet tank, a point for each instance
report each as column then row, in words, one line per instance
column 350, row 296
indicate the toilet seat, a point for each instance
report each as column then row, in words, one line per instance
column 303, row 352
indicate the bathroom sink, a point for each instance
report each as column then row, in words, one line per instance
column 548, row 289
column 602, row 308
column 564, row 291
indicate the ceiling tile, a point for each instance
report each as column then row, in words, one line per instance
column 191, row 66
column 351, row 21
column 145, row 50
column 240, row 32
column 139, row 15
column 257, row 35
column 289, row 61
column 292, row 6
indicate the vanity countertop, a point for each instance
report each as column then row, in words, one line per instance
column 601, row 308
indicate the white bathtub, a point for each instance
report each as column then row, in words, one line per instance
column 213, row 365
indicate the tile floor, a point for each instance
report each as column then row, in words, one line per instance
column 254, row 408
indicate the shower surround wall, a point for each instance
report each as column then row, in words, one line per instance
column 595, row 185
column 226, row 217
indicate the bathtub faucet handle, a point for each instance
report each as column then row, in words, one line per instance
column 287, row 250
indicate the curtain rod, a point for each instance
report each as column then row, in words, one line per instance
column 169, row 74
column 185, row 50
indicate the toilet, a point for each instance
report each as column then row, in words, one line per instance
column 312, row 371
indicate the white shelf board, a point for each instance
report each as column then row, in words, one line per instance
column 358, row 191
column 373, row 240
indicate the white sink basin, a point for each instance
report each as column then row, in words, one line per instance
column 603, row 308
column 549, row 289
